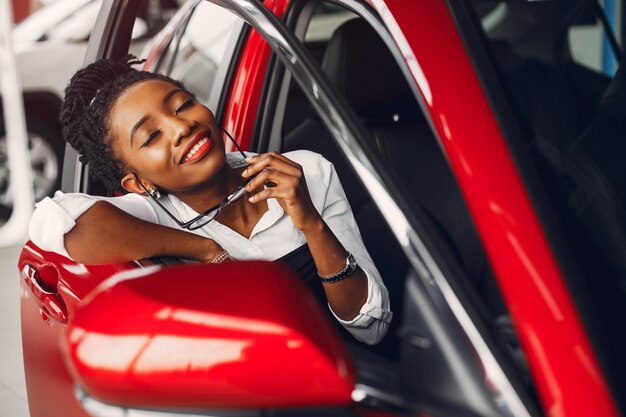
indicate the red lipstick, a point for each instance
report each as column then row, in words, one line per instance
column 197, row 148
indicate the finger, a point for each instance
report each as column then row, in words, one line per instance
column 274, row 154
column 273, row 160
column 282, row 157
column 271, row 175
column 273, row 192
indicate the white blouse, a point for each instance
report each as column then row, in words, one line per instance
column 272, row 237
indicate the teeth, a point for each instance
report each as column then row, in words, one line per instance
column 195, row 148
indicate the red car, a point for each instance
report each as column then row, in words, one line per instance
column 478, row 142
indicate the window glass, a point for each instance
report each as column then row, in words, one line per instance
column 196, row 51
column 572, row 112
column 324, row 22
column 588, row 39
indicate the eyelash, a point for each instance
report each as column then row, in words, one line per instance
column 152, row 136
column 183, row 106
column 157, row 132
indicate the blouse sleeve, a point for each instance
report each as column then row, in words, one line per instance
column 372, row 322
column 54, row 217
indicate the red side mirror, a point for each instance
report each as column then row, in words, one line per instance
column 236, row 335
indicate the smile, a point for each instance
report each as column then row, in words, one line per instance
column 197, row 148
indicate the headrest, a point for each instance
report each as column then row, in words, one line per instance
column 614, row 100
column 361, row 66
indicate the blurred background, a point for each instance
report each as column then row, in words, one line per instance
column 49, row 44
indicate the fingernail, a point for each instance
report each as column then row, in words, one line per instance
column 248, row 159
column 244, row 173
column 251, row 199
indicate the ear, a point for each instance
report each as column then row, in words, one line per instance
column 131, row 184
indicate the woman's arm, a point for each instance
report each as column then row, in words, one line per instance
column 106, row 234
column 346, row 297
column 91, row 229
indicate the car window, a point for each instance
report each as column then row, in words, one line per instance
column 556, row 67
column 194, row 54
column 589, row 38
column 364, row 71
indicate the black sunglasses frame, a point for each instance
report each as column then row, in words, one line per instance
column 211, row 213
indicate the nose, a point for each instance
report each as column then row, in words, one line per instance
column 182, row 128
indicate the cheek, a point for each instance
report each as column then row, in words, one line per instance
column 153, row 160
column 206, row 115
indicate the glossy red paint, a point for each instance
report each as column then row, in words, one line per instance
column 67, row 280
column 550, row 329
column 209, row 336
column 49, row 385
column 21, row 10
column 245, row 92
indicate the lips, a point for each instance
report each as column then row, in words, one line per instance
column 197, row 148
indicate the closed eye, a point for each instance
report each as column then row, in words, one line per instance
column 150, row 137
column 184, row 106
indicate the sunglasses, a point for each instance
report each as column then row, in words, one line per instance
column 209, row 215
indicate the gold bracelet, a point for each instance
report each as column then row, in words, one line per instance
column 221, row 257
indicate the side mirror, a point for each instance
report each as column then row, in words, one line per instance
column 234, row 336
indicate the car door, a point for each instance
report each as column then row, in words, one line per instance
column 487, row 273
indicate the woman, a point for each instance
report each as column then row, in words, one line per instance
column 144, row 134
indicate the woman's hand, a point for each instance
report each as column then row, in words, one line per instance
column 287, row 186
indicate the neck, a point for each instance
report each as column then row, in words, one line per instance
column 214, row 192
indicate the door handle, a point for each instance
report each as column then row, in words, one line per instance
column 51, row 305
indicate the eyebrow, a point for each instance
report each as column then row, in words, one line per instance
column 137, row 126
column 146, row 117
column 170, row 94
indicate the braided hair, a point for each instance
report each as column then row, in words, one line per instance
column 85, row 113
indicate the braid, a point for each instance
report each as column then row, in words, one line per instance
column 89, row 97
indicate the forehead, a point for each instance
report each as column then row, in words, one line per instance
column 137, row 101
